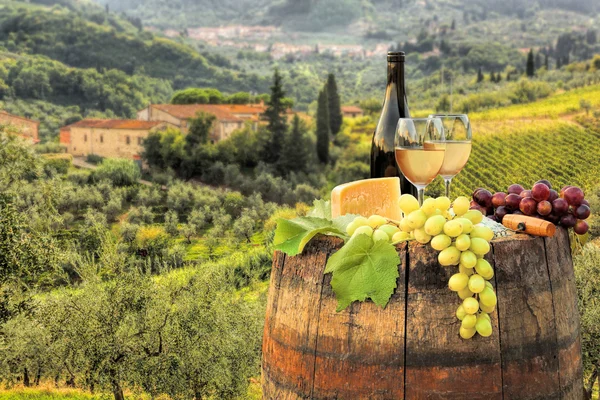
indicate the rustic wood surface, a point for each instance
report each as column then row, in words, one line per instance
column 411, row 349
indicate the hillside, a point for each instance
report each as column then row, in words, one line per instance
column 391, row 18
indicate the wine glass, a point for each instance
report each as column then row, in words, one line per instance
column 457, row 130
column 420, row 150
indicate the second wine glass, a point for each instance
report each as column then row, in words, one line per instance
column 420, row 150
column 457, row 132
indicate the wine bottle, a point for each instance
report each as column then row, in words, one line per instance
column 395, row 106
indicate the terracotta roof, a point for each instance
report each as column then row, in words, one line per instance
column 245, row 109
column 351, row 109
column 19, row 117
column 133, row 124
column 187, row 111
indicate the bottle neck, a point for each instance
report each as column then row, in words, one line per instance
column 395, row 81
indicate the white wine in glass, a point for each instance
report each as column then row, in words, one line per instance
column 420, row 150
column 457, row 132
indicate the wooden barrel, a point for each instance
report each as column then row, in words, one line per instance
column 411, row 349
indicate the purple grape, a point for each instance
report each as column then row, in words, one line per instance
column 528, row 206
column 553, row 195
column 499, row 199
column 568, row 221
column 544, row 207
column 525, row 193
column 555, row 219
column 587, row 203
column 560, row 207
column 582, row 212
column 545, row 182
column 581, row 227
column 483, row 197
column 573, row 196
column 515, row 188
column 512, row 201
column 540, row 192
column 500, row 213
column 562, row 191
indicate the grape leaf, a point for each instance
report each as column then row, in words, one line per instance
column 363, row 269
column 321, row 209
column 292, row 235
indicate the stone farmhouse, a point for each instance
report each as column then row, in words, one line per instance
column 229, row 117
column 115, row 138
column 28, row 128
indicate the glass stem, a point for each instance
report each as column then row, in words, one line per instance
column 421, row 193
column 447, row 181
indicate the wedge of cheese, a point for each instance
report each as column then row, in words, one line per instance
column 367, row 197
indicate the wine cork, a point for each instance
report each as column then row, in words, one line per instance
column 530, row 225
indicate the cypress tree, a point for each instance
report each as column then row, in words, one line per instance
column 546, row 62
column 323, row 130
column 558, row 64
column 492, row 77
column 335, row 110
column 277, row 121
column 479, row 75
column 530, row 69
column 294, row 155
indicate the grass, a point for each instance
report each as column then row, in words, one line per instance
column 46, row 393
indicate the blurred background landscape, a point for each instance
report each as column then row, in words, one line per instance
column 120, row 283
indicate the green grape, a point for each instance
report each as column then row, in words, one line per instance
column 476, row 283
column 479, row 246
column 404, row 227
column 442, row 203
column 441, row 242
column 468, row 259
column 487, row 309
column 467, row 333
column 399, row 236
column 471, row 305
column 488, row 297
column 467, row 224
column 458, row 282
column 408, row 203
column 376, row 220
column 485, row 315
column 469, row 321
column 416, row 219
column 434, row 225
column 475, row 216
column 358, row 222
column 483, row 327
column 380, row 235
column 462, row 242
column 465, row 293
column 421, row 236
column 488, row 284
column 438, row 212
column 460, row 312
column 389, row 229
column 428, row 207
column 461, row 205
column 464, row 270
column 350, row 228
column 484, row 269
column 483, row 232
column 367, row 230
column 449, row 256
column 453, row 228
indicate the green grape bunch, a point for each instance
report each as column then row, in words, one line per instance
column 457, row 233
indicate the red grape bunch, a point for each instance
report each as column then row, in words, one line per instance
column 567, row 208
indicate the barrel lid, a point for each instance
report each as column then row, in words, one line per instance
column 395, row 56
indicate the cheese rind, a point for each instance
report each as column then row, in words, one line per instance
column 367, row 197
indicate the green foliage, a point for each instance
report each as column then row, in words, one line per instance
column 120, row 172
column 323, row 130
column 292, row 236
column 198, row 96
column 277, row 121
column 333, row 104
column 363, row 269
column 587, row 278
